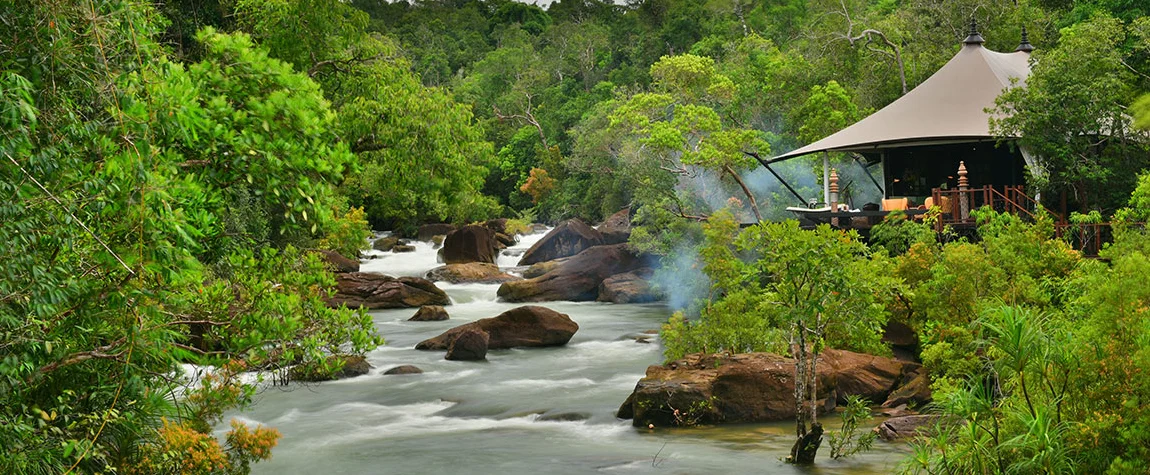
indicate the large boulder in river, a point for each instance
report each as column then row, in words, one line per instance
column 470, row 345
column 916, row 392
column 429, row 231
column 629, row 287
column 430, row 313
column 337, row 262
column 616, row 228
column 567, row 239
column 752, row 387
column 578, row 278
column 385, row 243
column 364, row 289
column 469, row 244
column 470, row 273
column 527, row 326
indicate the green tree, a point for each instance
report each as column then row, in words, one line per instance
column 1072, row 115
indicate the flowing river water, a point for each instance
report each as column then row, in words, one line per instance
column 523, row 411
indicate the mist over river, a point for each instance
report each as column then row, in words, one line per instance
column 523, row 411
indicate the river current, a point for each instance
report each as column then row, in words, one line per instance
column 523, row 411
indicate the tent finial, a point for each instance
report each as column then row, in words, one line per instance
column 1025, row 44
column 974, row 38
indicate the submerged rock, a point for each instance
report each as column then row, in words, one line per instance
column 752, row 387
column 468, row 345
column 528, row 326
column 578, row 278
column 567, row 239
column 404, row 369
column 364, row 289
column 429, row 313
column 403, row 248
column 470, row 273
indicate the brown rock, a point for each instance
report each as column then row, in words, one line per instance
column 363, row 289
column 904, row 427
column 567, row 239
column 469, row 244
column 541, row 268
column 505, row 240
column 429, row 313
column 899, row 334
column 403, row 248
column 438, row 239
column 353, row 365
column 471, row 272
column 629, row 287
column 916, row 391
column 469, row 345
column 576, row 279
column 871, row 377
column 404, row 369
column 337, row 262
column 748, row 387
column 385, row 244
column 527, row 326
column 428, row 231
column 616, row 228
column 499, row 225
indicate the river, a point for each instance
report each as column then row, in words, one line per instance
column 523, row 411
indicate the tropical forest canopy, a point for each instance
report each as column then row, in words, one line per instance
column 170, row 168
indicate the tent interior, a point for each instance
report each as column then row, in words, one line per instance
column 912, row 171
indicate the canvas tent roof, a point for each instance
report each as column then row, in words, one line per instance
column 948, row 107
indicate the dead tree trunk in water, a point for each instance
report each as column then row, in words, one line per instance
column 804, row 450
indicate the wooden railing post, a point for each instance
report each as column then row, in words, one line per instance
column 963, row 192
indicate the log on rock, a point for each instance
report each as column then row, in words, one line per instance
column 578, row 278
column 364, row 289
column 528, row 326
column 567, row 239
column 470, row 273
column 752, row 387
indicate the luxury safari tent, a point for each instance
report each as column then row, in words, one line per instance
column 914, row 147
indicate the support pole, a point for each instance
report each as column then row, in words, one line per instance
column 826, row 178
column 767, row 165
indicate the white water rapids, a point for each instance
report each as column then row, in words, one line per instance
column 523, row 411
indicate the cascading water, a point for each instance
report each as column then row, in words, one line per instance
column 523, row 411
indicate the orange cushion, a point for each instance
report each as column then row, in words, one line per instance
column 895, row 204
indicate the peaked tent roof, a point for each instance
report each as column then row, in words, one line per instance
column 947, row 107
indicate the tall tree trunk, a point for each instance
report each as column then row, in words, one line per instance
column 746, row 191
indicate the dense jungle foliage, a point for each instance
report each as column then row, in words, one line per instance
column 169, row 167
